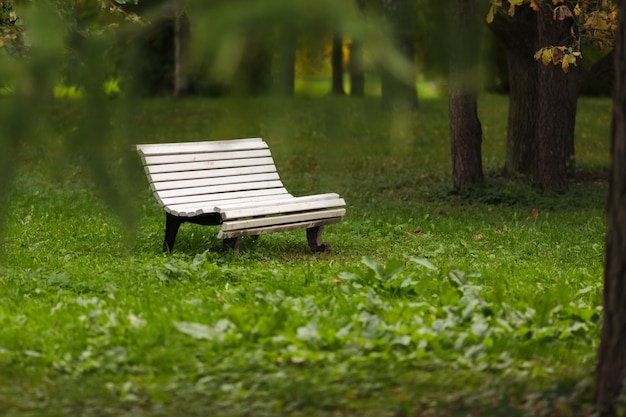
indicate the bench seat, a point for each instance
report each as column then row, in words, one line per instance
column 235, row 184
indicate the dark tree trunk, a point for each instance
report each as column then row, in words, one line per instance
column 337, row 65
column 286, row 74
column 465, row 127
column 465, row 139
column 542, row 100
column 255, row 70
column 611, row 369
column 521, row 141
column 519, row 37
column 181, row 38
column 395, row 92
column 552, row 120
column 355, row 64
column 555, row 121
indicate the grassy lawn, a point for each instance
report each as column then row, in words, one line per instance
column 431, row 303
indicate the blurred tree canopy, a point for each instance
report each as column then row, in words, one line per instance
column 241, row 45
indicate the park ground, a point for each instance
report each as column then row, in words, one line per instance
column 432, row 302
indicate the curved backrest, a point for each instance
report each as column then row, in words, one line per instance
column 191, row 178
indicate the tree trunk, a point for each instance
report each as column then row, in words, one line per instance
column 355, row 64
column 542, row 100
column 519, row 37
column 395, row 92
column 337, row 65
column 521, row 141
column 465, row 127
column 181, row 37
column 555, row 118
column 611, row 368
column 286, row 60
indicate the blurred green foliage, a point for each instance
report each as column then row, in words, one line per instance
column 88, row 43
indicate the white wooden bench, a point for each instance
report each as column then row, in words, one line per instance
column 233, row 183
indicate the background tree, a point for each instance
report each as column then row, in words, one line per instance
column 285, row 76
column 355, row 64
column 465, row 127
column 556, row 112
column 336, row 60
column 535, row 34
column 400, row 14
column 181, row 40
column 611, row 368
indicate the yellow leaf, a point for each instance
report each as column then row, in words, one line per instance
column 557, row 54
column 577, row 10
column 569, row 59
column 534, row 5
column 491, row 14
column 513, row 4
column 1, row 43
column 546, row 56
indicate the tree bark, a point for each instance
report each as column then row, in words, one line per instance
column 465, row 127
column 555, row 120
column 337, row 65
column 611, row 368
column 519, row 37
column 538, row 108
column 521, row 141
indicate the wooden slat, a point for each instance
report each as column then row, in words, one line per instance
column 212, row 199
column 244, row 186
column 205, row 146
column 197, row 209
column 208, row 156
column 207, row 182
column 277, row 201
column 280, row 228
column 193, row 166
column 271, row 209
column 284, row 219
column 210, row 173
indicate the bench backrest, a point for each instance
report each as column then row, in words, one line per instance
column 185, row 176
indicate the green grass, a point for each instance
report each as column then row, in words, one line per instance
column 431, row 303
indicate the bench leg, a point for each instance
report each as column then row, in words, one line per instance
column 172, row 224
column 314, row 237
column 231, row 243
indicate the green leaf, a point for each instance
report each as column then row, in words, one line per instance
column 457, row 278
column 374, row 266
column 202, row 331
column 423, row 262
